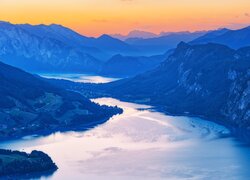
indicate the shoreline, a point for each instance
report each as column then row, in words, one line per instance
column 41, row 133
column 239, row 134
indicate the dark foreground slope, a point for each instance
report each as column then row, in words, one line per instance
column 211, row 81
column 13, row 163
column 29, row 105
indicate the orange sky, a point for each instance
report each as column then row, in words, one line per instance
column 95, row 17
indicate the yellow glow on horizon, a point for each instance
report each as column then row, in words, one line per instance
column 95, row 17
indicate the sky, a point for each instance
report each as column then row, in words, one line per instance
column 96, row 17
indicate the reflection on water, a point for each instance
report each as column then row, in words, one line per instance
column 42, row 175
column 80, row 78
column 140, row 144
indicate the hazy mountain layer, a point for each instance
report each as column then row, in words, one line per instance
column 162, row 44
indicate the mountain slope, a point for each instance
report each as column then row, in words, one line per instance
column 28, row 105
column 20, row 48
column 232, row 38
column 111, row 45
column 64, row 35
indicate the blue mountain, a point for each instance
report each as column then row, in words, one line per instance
column 232, row 38
column 159, row 45
column 111, row 45
column 39, row 50
column 55, row 48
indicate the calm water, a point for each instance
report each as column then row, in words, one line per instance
column 141, row 144
column 80, row 78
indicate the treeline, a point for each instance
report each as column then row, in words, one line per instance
column 16, row 163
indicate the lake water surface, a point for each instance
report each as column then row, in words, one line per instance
column 80, row 78
column 141, row 144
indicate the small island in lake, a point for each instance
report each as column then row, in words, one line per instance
column 20, row 163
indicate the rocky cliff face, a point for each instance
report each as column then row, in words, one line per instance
column 207, row 80
column 237, row 108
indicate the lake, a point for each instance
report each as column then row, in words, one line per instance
column 86, row 78
column 142, row 144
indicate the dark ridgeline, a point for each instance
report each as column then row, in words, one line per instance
column 211, row 81
column 30, row 105
column 13, row 164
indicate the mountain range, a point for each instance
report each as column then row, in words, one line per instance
column 55, row 48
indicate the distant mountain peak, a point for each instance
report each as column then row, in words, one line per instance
column 141, row 34
column 223, row 29
column 105, row 36
column 5, row 24
column 135, row 34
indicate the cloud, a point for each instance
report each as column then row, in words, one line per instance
column 247, row 14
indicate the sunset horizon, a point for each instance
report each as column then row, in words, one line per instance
column 94, row 18
column 131, row 30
